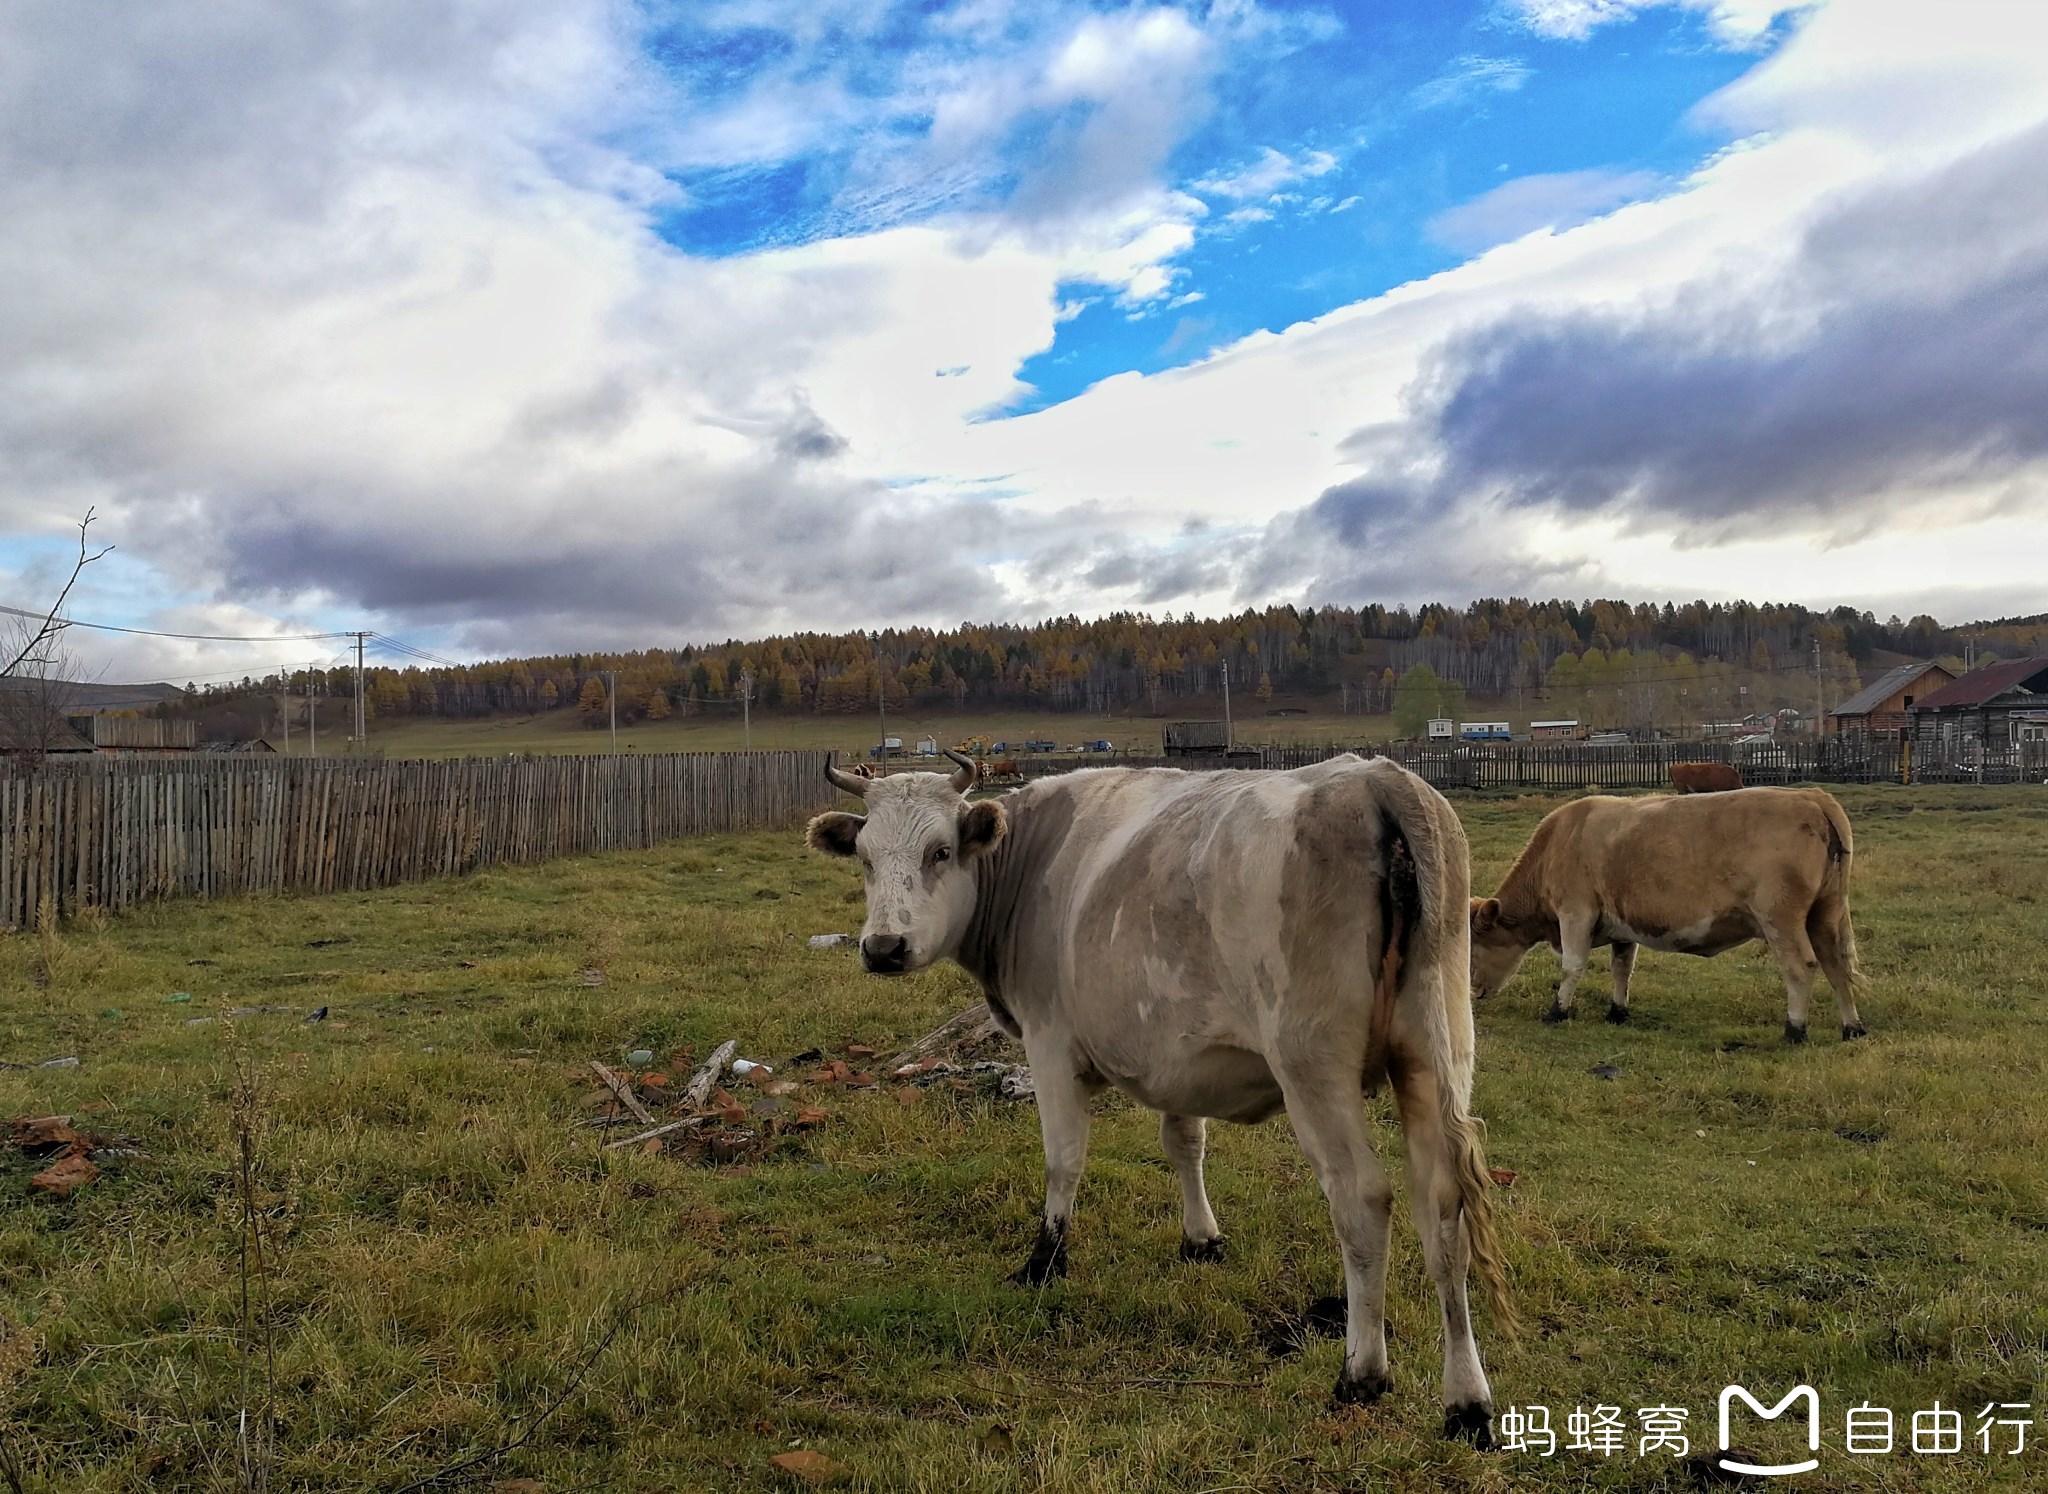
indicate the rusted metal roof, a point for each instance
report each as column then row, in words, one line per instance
column 1988, row 683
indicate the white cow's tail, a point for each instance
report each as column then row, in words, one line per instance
column 1425, row 907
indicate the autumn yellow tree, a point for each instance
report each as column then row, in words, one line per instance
column 656, row 705
column 592, row 701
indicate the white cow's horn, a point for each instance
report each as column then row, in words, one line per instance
column 968, row 774
column 851, row 783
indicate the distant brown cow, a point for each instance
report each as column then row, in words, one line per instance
column 1691, row 875
column 1003, row 770
column 1704, row 778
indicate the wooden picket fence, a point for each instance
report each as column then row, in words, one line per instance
column 110, row 833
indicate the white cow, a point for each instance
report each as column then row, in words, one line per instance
column 1217, row 945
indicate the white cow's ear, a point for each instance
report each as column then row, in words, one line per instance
column 834, row 833
column 982, row 828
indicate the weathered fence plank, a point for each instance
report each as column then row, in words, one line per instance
column 113, row 832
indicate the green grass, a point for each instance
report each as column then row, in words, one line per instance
column 451, row 1242
column 720, row 730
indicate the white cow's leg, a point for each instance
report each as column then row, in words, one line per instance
column 1063, row 1122
column 1624, row 967
column 1796, row 959
column 1328, row 1115
column 1184, row 1138
column 1439, row 1220
column 1574, row 946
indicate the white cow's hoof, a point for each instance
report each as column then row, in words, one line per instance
column 1471, row 1423
column 1201, row 1252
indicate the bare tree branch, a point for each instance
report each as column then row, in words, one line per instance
column 53, row 623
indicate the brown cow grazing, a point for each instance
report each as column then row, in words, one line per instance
column 1704, row 778
column 1691, row 875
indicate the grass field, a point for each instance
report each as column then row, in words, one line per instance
column 720, row 730
column 450, row 1244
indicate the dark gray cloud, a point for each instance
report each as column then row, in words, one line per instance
column 1902, row 351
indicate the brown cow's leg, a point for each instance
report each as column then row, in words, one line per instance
column 1624, row 968
column 1796, row 960
column 1575, row 946
column 1439, row 1220
column 1184, row 1139
column 1834, row 944
column 1329, row 1120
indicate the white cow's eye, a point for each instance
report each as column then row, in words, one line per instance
column 941, row 853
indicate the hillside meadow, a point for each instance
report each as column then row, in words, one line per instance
column 458, row 1284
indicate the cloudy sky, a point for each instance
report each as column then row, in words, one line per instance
column 547, row 324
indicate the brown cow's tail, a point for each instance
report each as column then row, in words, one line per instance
column 1831, row 907
column 1425, row 907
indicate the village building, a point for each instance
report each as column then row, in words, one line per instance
column 1553, row 731
column 1883, row 707
column 2000, row 705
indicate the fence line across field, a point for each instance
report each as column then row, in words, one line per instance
column 113, row 833
column 1633, row 765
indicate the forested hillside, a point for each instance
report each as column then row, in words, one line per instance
column 1599, row 661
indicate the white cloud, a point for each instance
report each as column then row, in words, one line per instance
column 1468, row 77
column 1554, row 200
column 1270, row 172
column 369, row 317
column 1735, row 22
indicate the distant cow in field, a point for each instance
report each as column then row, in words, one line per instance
column 1705, row 778
column 1217, row 945
column 1003, row 770
column 1690, row 875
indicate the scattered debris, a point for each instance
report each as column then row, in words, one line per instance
column 698, row 1091
column 66, row 1062
column 200, row 1021
column 72, row 1169
column 319, row 1014
column 590, row 977
column 179, row 997
column 809, row 1055
column 1868, row 1138
column 467, row 964
column 639, row 1058
column 961, row 1032
column 1503, row 1177
column 259, row 1011
column 746, row 1066
column 625, row 1094
column 811, row 1467
column 830, row 941
column 1604, row 1071
column 71, row 1156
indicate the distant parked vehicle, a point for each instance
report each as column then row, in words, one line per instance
column 1041, row 746
column 1101, row 744
column 887, row 744
column 1485, row 731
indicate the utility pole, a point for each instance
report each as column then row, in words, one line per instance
column 882, row 702
column 360, row 732
column 747, row 707
column 1820, row 699
column 284, row 716
column 1229, row 732
column 312, row 729
column 612, row 700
